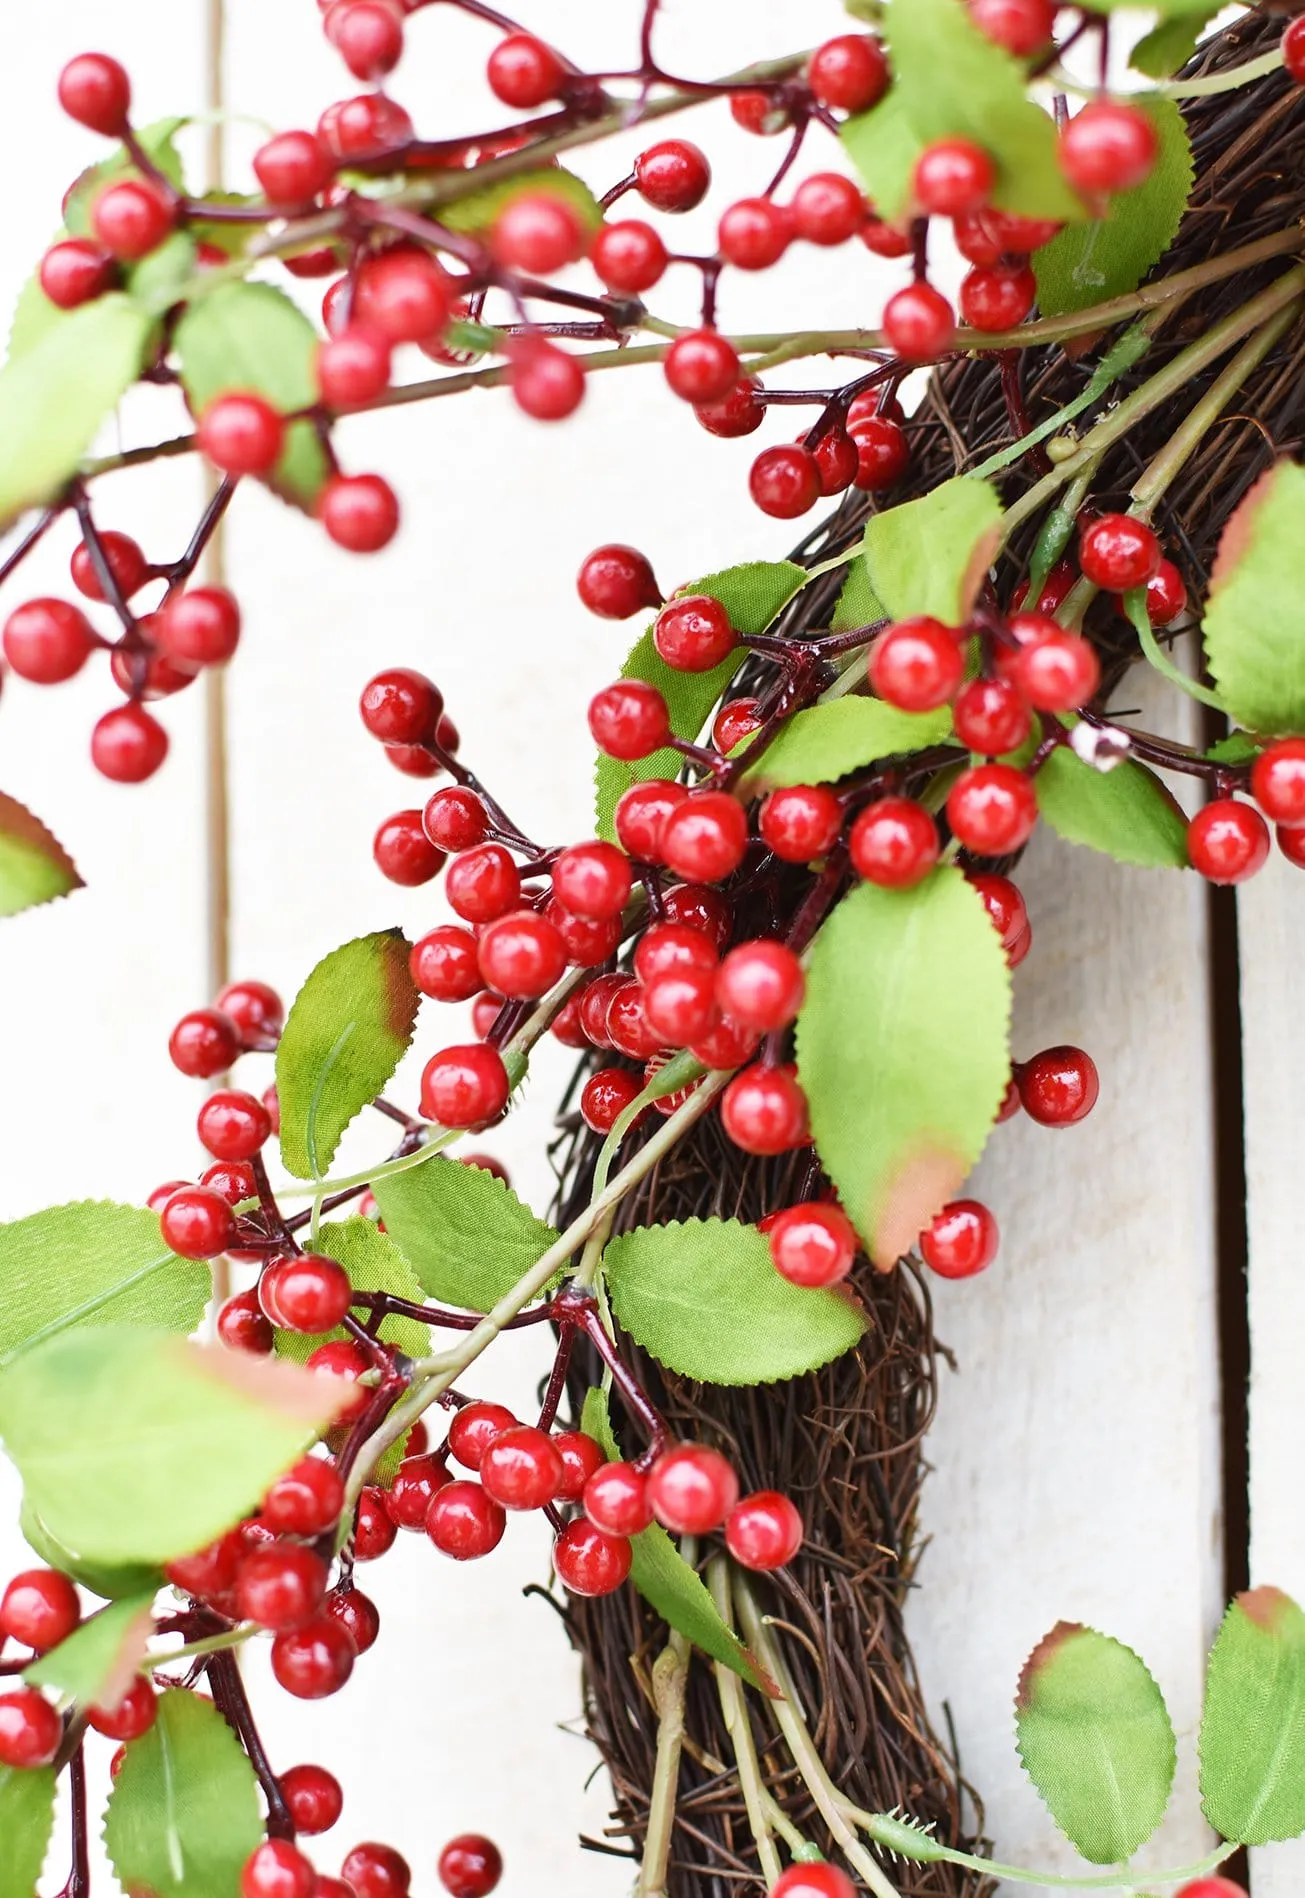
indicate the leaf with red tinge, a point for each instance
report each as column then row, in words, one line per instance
column 34, row 866
column 1095, row 1738
column 932, row 555
column 1254, row 627
column 1253, row 1727
column 99, row 1660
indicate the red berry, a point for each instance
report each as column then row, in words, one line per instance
column 1006, row 908
column 376, row 1871
column 537, row 232
column 1278, row 781
column 417, row 1482
column 592, row 880
column 523, row 72
column 588, row 1560
column 673, row 949
column 726, row 1046
column 131, row 1715
column 764, row 1531
column 760, row 985
column 760, row 113
column 521, row 954
column 281, row 1587
column 464, row 1522
column 917, row 664
column 473, row 1430
column 470, row 1866
column 883, row 453
column 241, row 433
column 703, row 839
column 754, row 233
column 885, row 240
column 485, row 1011
column 681, row 1005
column 1293, row 58
column 952, row 177
column 547, row 383
column 47, row 641
column 352, row 368
column 629, row 256
column 368, row 36
column 293, row 168
column 204, row 1043
column 31, row 1732
column 127, row 745
column 39, row 1609
column 581, row 1457
column 1166, row 595
column 356, row 1614
column 785, row 481
column 588, row 941
column 629, row 720
column 314, row 1660
column 1227, row 841
column 616, row 582
column 567, row 1027
column 455, row 819
column 210, row 1573
column 693, row 633
column 763, row 1110
column 1222, row 1887
column 275, row 1869
column 672, row 175
column 699, row 907
column 617, row 1501
column 400, row 706
column 991, row 716
column 233, row 1125
column 444, row 964
column 359, row 512
column 960, row 1241
column 992, row 809
column 314, row 1797
column 374, row 1529
column 801, row 822
column 813, row 1881
column 363, row 127
column 96, row 92
column 736, row 413
column 464, row 1087
column 837, row 459
column 1107, row 148
column 1055, row 669
column 197, row 1223
column 403, row 295
column 1119, row 553
column 733, row 723
column 311, row 1294
column 849, row 72
column 1022, row 27
column 918, row 323
column 403, row 852
column 256, row 1009
column 482, row 884
column 642, row 813
column 827, row 208
column 521, row 1468
column 692, row 1489
column 628, row 1027
column 73, row 272
column 998, row 298
column 702, row 366
column 306, row 1501
column 233, row 1179
column 894, row 842
column 813, row 1244
column 1059, row 1087
column 344, row 1362
column 198, row 628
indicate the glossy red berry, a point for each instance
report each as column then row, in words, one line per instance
column 128, row 745
column 359, row 512
column 197, row 1223
column 827, row 208
column 617, row 1500
column 376, row 1871
column 592, row 880
column 1059, row 1087
column 668, row 948
column 1022, row 27
column 403, row 852
column 754, row 233
column 820, row 1880
column 47, row 641
column 991, row 716
column 242, row 1326
column 364, row 127
column 521, row 954
column 204, row 1043
column 917, row 664
column 692, row 1489
column 537, row 232
column 894, row 842
column 403, row 296
column 198, row 628
column 1293, row 58
column 693, row 633
column 737, row 413
column 241, row 433
column 470, row 1866
column 1278, row 781
column 418, row 1480
column 293, row 168
column 703, row 839
column 311, row 1294
column 997, row 297
column 883, row 453
column 1108, row 147
column 131, row 1715
column 356, row 1614
column 306, row 1501
column 473, row 1430
column 629, row 720
column 1054, row 668
column 837, row 459
column 801, row 822
column 445, row 965
column 616, row 582
column 784, row 481
column 1119, row 553
column 672, row 175
column 587, row 940
column 1166, row 594
column 848, row 72
column 367, row 34
column 256, row 1009
column 885, row 240
column 374, row 1529
column 605, row 1097
column 344, row 1362
column 455, row 819
column 281, row 1586
column 761, row 113
column 581, row 1458
column 813, row 1244
column 464, row 1086
column 1224, row 1887
column 547, row 383
column 733, row 723
column 699, row 907
column 589, row 1561
column 352, row 368
column 523, row 72
column 918, row 323
column 763, row 1110
column 314, row 1660
column 681, row 1005
column 210, row 1573
column 1005, row 906
column 642, row 813
column 627, row 1023
column 39, row 1609
column 483, row 884
column 702, row 366
column 763, row 1531
column 31, row 1732
column 992, row 809
column 1227, row 841
column 952, row 177
column 760, row 985
column 95, row 91
column 521, row 1468
column 233, row 1179
column 314, row 1797
column 464, row 1522
column 74, row 271
column 960, row 1240
column 629, row 256
column 233, row 1125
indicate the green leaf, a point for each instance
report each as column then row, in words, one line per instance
column 34, row 866
column 1170, row 45
column 752, row 595
column 883, row 145
column 183, row 1815
column 663, row 1577
column 932, row 555
column 112, row 1580
column 478, row 209
column 902, row 1047
column 97, row 1663
column 1236, row 748
column 92, row 1263
column 858, row 603
column 26, row 1822
column 34, row 315
column 347, row 1031
column 1125, row 812
column 465, row 1234
column 157, row 140
column 112, row 1431
column 251, row 336
column 54, row 397
column 1255, row 609
column 1253, row 1727
column 1109, row 256
column 158, row 280
column 1096, row 1740
column 975, row 91
column 703, row 1298
column 825, row 742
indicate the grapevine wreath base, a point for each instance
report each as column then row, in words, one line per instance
column 846, row 1443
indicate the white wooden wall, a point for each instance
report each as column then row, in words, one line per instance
column 1076, row 1452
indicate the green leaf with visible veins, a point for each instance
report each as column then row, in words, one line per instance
column 93, row 1263
column 826, row 742
column 251, row 336
column 752, row 595
column 1255, row 609
column 1109, row 256
column 1095, row 1738
column 1253, row 1727
column 465, row 1234
column 348, row 1029
column 479, row 209
column 26, row 1822
column 108, row 1428
column 703, row 1298
column 858, row 603
column 932, row 555
column 903, row 1051
column 183, row 1815
column 54, row 397
column 664, row 1578
column 34, row 866
column 98, row 1662
column 1125, row 812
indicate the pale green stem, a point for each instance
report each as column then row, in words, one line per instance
column 1130, row 348
column 211, row 1644
column 885, row 1827
column 734, row 1710
column 1218, row 82
column 592, row 1256
column 677, row 1073
column 670, row 1681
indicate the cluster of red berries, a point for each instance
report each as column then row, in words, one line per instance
column 469, row 1866
column 822, row 1880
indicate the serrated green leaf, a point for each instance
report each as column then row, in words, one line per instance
column 34, row 866
column 251, row 336
column 92, row 1263
column 112, row 1580
column 858, row 603
column 825, row 742
column 34, row 315
column 1236, row 748
column 54, row 397
column 158, row 279
column 1109, row 256
column 977, row 91
column 703, row 1298
column 108, row 1428
column 479, row 209
column 1255, row 610
column 932, row 555
column 465, row 1233
column 1253, row 1726
column 1170, row 45
column 26, row 1822
column 157, row 140
column 183, row 1814
column 1095, row 1738
column 348, row 1029
column 883, row 145
column 1125, row 812
column 903, row 1050
column 96, row 1664
column 663, row 1577
column 752, row 595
